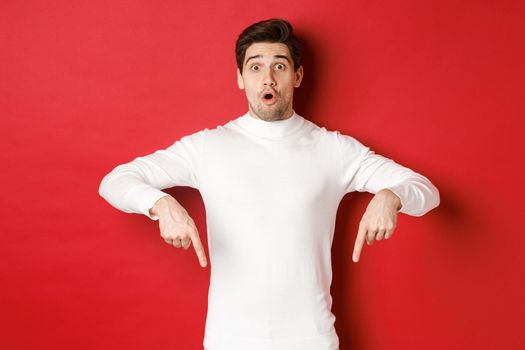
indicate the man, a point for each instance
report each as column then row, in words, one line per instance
column 271, row 182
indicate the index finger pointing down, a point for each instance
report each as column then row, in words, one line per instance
column 359, row 242
column 199, row 249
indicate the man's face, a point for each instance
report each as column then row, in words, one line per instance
column 269, row 79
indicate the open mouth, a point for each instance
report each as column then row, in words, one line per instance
column 268, row 98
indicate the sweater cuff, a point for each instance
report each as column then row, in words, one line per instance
column 143, row 198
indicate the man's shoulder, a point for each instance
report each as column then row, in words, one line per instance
column 331, row 134
column 209, row 132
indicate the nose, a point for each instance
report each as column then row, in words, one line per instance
column 268, row 78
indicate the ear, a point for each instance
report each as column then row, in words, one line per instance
column 298, row 76
column 240, row 81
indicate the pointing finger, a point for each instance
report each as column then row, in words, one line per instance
column 359, row 242
column 197, row 245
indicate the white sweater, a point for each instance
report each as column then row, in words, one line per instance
column 271, row 192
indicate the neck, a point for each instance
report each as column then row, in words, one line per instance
column 275, row 129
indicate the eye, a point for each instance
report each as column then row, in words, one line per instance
column 280, row 66
column 255, row 67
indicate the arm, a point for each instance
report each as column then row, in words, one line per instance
column 136, row 186
column 364, row 170
column 417, row 194
column 396, row 188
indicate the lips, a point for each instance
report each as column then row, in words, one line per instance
column 268, row 97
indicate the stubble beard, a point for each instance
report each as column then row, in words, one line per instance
column 269, row 113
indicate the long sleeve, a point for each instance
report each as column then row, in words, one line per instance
column 364, row 170
column 134, row 187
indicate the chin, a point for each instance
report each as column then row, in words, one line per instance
column 270, row 113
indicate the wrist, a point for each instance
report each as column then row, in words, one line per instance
column 160, row 204
column 168, row 206
column 392, row 199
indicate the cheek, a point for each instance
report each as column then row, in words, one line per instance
column 288, row 83
column 249, row 86
column 251, row 93
column 288, row 91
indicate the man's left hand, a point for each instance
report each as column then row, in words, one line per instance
column 379, row 220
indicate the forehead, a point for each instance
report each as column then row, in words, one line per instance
column 267, row 50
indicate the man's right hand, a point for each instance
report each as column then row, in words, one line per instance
column 177, row 227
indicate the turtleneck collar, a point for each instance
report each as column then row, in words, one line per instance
column 270, row 129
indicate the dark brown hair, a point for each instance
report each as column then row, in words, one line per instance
column 274, row 30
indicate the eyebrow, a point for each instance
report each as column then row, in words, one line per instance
column 275, row 56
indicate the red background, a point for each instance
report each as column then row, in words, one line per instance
column 436, row 85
